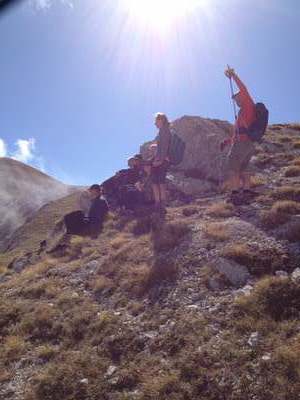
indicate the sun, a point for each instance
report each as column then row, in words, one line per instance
column 160, row 15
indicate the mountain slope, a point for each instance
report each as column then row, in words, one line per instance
column 205, row 305
column 23, row 190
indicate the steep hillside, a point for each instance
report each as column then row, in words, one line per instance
column 205, row 305
column 23, row 191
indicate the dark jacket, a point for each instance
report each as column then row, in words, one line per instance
column 163, row 143
column 98, row 211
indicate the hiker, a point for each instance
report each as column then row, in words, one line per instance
column 88, row 222
column 161, row 162
column 125, row 189
column 238, row 174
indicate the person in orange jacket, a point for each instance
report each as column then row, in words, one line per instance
column 237, row 172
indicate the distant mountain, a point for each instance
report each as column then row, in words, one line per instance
column 23, row 190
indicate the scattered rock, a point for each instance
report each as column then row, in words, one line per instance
column 246, row 290
column 296, row 274
column 92, row 265
column 111, row 370
column 235, row 273
column 281, row 273
column 253, row 339
column 266, row 357
column 19, row 264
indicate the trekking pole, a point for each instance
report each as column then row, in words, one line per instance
column 231, row 89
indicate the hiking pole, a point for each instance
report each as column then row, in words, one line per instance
column 231, row 89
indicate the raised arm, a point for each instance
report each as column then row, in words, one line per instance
column 230, row 73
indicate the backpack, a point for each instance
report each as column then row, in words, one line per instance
column 177, row 149
column 259, row 126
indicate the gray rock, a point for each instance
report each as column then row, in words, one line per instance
column 235, row 273
column 19, row 264
column 92, row 265
column 296, row 274
column 246, row 290
column 189, row 186
column 281, row 273
column 253, row 339
column 111, row 370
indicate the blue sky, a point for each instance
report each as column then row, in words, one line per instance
column 81, row 79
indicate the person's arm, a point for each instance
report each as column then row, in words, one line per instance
column 230, row 73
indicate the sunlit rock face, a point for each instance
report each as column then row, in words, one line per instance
column 23, row 190
column 202, row 160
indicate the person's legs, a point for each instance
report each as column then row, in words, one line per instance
column 232, row 183
column 246, row 180
column 163, row 193
column 246, row 173
column 232, row 170
column 156, row 193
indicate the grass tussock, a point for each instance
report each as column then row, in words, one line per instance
column 280, row 213
column 257, row 181
column 142, row 226
column 259, row 261
column 221, row 210
column 189, row 211
column 278, row 298
column 292, row 171
column 296, row 145
column 292, row 231
column 216, row 231
column 296, row 162
column 13, row 348
column 287, row 193
column 168, row 236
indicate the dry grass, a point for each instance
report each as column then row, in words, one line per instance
column 284, row 139
column 259, row 261
column 292, row 171
column 278, row 298
column 222, row 210
column 296, row 161
column 101, row 284
column 257, row 181
column 292, row 231
column 280, row 213
column 13, row 348
column 189, row 211
column 119, row 242
column 216, row 231
column 297, row 144
column 167, row 236
column 286, row 193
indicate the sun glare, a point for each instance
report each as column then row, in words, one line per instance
column 160, row 15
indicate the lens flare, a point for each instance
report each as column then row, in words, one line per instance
column 160, row 15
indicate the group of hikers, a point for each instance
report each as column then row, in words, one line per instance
column 143, row 183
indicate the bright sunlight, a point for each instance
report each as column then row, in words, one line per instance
column 161, row 15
